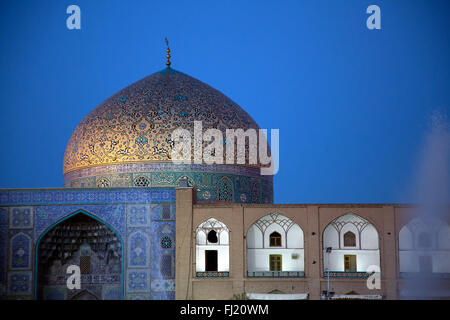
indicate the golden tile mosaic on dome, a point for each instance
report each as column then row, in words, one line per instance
column 135, row 125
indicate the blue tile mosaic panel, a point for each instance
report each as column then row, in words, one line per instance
column 144, row 219
column 21, row 217
column 138, row 280
column 20, row 251
column 19, row 283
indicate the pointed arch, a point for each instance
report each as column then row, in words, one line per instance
column 84, row 295
column 20, row 251
column 349, row 239
column 350, row 244
column 185, row 181
column 138, row 249
column 366, row 233
column 212, row 224
column 275, row 247
column 64, row 219
column 225, row 189
column 424, row 246
column 212, row 249
column 258, row 234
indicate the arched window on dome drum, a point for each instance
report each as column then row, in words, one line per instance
column 275, row 239
column 225, row 189
column 141, row 181
column 185, row 181
column 349, row 239
column 103, row 183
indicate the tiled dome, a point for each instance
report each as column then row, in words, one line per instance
column 135, row 125
column 126, row 141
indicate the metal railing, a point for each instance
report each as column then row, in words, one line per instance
column 212, row 274
column 347, row 274
column 276, row 274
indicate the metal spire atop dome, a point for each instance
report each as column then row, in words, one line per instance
column 168, row 54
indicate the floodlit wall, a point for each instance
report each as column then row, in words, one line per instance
column 365, row 248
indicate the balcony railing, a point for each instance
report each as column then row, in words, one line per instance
column 212, row 274
column 275, row 274
column 347, row 274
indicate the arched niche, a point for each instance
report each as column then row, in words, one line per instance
column 275, row 247
column 350, row 244
column 212, row 249
column 84, row 240
column 424, row 247
column 258, row 234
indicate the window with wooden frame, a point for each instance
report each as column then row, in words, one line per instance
column 275, row 239
column 349, row 239
column 85, row 265
column 275, row 262
column 350, row 263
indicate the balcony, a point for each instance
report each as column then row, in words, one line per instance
column 347, row 274
column 212, row 274
column 275, row 274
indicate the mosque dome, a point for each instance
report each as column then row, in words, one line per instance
column 135, row 124
column 126, row 140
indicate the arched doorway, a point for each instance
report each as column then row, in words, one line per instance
column 83, row 240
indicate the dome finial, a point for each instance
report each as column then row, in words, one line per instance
column 168, row 54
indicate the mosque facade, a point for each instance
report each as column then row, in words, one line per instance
column 140, row 226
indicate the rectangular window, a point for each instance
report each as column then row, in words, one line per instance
column 85, row 265
column 350, row 263
column 210, row 260
column 275, row 262
column 275, row 241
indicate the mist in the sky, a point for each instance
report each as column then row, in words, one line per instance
column 431, row 190
column 432, row 187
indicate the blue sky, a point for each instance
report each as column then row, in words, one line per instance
column 352, row 104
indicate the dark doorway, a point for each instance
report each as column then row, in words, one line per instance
column 211, row 260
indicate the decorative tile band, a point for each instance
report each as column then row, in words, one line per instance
column 162, row 167
column 210, row 186
column 85, row 196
